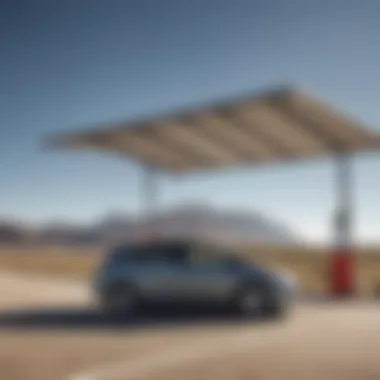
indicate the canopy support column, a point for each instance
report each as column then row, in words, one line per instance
column 149, row 199
column 342, row 263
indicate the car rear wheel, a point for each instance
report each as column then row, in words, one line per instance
column 254, row 301
column 249, row 302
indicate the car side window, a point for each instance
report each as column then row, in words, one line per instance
column 147, row 256
column 166, row 255
column 207, row 258
column 174, row 256
column 162, row 256
column 119, row 256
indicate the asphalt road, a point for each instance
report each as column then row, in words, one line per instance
column 48, row 331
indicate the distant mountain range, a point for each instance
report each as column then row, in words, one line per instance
column 203, row 222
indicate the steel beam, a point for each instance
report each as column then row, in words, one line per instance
column 149, row 202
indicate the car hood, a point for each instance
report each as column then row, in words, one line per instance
column 280, row 275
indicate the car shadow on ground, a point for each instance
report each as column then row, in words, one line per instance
column 87, row 319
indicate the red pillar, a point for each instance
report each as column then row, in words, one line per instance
column 343, row 273
column 343, row 264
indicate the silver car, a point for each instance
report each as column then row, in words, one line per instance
column 180, row 271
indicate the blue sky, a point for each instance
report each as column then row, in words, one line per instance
column 67, row 64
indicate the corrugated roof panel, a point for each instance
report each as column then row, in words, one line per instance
column 239, row 140
column 131, row 144
column 283, row 131
column 274, row 127
column 341, row 130
column 186, row 135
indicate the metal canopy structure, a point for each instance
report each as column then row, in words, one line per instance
column 275, row 126
column 267, row 128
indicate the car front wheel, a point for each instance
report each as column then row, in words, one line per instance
column 119, row 301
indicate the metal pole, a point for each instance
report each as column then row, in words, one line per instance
column 343, row 222
column 342, row 264
column 149, row 193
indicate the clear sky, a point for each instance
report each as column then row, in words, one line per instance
column 66, row 64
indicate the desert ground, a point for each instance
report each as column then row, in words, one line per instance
column 309, row 264
column 49, row 330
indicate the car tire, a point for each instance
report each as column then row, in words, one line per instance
column 249, row 301
column 254, row 301
column 120, row 300
column 275, row 310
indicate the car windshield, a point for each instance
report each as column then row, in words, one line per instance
column 121, row 254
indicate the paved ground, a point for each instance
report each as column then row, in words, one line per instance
column 47, row 333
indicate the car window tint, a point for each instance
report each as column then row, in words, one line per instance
column 173, row 254
column 206, row 257
column 150, row 255
column 145, row 256
column 119, row 255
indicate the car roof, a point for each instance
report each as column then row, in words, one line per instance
column 170, row 243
